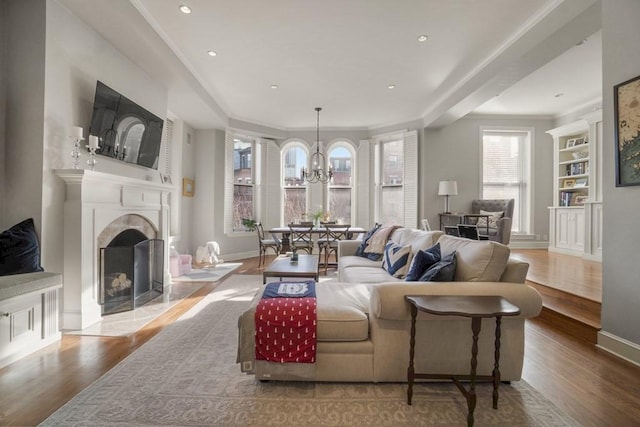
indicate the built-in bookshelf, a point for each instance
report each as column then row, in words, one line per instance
column 575, row 219
column 573, row 170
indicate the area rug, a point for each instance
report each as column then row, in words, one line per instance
column 187, row 376
column 208, row 274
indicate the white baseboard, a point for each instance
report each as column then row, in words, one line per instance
column 241, row 255
column 528, row 244
column 620, row 347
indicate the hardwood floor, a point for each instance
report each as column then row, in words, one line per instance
column 590, row 385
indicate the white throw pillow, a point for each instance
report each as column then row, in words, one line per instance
column 397, row 259
column 493, row 219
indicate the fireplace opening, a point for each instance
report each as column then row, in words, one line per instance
column 131, row 271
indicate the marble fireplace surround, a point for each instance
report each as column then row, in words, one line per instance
column 98, row 206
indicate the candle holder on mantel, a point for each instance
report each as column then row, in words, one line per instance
column 92, row 147
column 76, row 137
column 92, row 158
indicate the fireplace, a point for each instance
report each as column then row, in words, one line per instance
column 131, row 271
column 98, row 207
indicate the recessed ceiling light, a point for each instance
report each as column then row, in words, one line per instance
column 423, row 37
column 185, row 9
column 274, row 86
column 391, row 86
column 211, row 53
column 558, row 95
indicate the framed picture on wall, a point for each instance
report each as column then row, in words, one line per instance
column 188, row 187
column 626, row 106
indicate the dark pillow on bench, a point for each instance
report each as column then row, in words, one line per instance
column 19, row 249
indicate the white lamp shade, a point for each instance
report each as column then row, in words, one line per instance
column 448, row 188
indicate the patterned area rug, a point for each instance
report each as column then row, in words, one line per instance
column 187, row 376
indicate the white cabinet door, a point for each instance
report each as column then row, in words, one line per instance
column 569, row 229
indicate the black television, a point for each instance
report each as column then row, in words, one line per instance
column 125, row 130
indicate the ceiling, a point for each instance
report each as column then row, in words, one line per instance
column 343, row 56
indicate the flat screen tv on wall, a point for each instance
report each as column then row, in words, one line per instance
column 125, row 130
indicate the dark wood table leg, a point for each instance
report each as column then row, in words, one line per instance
column 496, row 366
column 412, row 345
column 476, row 324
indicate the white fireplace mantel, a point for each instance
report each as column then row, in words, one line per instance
column 93, row 201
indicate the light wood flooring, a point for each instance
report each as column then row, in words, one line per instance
column 590, row 385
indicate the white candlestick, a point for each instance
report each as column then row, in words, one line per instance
column 93, row 142
column 76, row 132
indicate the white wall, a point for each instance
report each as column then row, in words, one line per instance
column 76, row 57
column 44, row 101
column 185, row 244
column 620, row 267
column 25, row 68
column 453, row 152
column 3, row 111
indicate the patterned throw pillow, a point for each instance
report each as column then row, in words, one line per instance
column 493, row 219
column 365, row 240
column 422, row 261
column 396, row 259
column 442, row 271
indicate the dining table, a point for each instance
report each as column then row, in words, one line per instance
column 285, row 233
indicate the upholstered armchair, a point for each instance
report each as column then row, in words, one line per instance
column 499, row 228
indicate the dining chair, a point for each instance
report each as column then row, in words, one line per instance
column 265, row 243
column 328, row 241
column 301, row 237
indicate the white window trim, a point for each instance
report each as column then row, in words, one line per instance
column 292, row 143
column 229, row 181
column 350, row 146
column 527, row 214
column 410, row 174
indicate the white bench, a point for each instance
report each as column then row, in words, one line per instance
column 28, row 314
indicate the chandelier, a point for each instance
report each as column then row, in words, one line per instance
column 317, row 174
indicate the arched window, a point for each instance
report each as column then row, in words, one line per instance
column 294, row 190
column 340, row 189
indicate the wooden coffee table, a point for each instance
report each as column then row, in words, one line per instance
column 306, row 267
column 477, row 308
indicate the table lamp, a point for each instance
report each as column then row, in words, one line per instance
column 447, row 188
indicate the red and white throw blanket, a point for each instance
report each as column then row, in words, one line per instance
column 285, row 321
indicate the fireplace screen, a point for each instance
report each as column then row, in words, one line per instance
column 132, row 271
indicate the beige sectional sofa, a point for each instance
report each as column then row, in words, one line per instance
column 364, row 321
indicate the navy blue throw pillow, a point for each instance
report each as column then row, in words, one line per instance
column 422, row 261
column 19, row 249
column 442, row 271
column 363, row 245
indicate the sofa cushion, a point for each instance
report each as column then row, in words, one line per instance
column 358, row 261
column 476, row 260
column 418, row 239
column 366, row 275
column 19, row 249
column 396, row 259
column 421, row 262
column 342, row 311
column 441, row 271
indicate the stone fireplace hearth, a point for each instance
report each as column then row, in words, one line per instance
column 97, row 207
